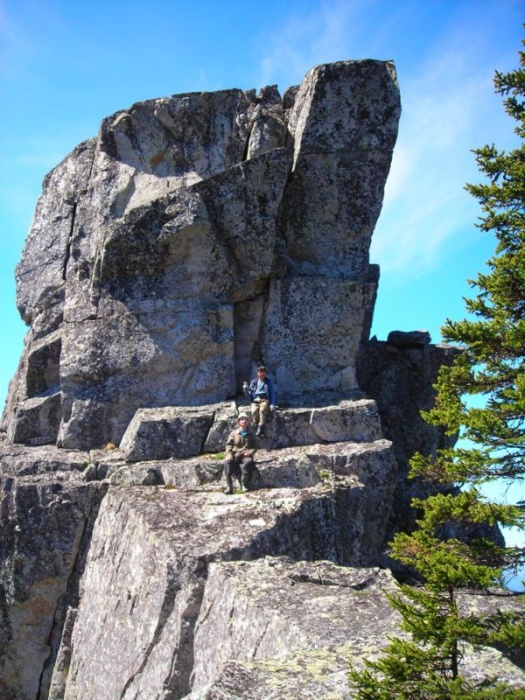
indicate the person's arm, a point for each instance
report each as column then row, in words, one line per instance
column 271, row 392
column 251, row 444
column 230, row 443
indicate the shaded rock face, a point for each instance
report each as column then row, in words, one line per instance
column 46, row 526
column 194, row 237
column 399, row 374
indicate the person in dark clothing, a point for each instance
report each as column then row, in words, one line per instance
column 240, row 449
column 262, row 395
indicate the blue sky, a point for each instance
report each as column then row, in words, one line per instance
column 65, row 65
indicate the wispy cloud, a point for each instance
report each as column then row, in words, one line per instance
column 449, row 108
column 307, row 39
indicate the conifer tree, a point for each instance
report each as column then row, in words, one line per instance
column 452, row 549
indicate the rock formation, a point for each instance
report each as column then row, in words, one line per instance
column 194, row 237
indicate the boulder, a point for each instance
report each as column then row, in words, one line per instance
column 411, row 339
column 159, row 433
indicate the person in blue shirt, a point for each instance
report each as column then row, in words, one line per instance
column 262, row 396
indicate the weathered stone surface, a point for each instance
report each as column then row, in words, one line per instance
column 290, row 426
column 178, row 432
column 274, row 629
column 148, row 564
column 45, row 530
column 369, row 464
column 342, row 135
column 325, row 318
column 38, row 420
column 196, row 235
column 357, row 421
column 270, row 609
column 269, row 628
column 41, row 272
column 22, row 461
column 311, row 502
column 186, row 474
column 400, row 380
column 161, row 433
column 148, row 574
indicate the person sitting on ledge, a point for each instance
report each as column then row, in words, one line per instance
column 262, row 394
column 240, row 449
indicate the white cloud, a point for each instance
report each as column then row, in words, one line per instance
column 308, row 39
column 448, row 109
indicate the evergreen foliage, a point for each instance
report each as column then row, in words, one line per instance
column 453, row 550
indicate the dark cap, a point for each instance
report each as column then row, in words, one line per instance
column 261, row 367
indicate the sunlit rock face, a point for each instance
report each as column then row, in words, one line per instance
column 196, row 236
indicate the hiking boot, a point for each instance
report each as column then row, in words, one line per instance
column 228, row 491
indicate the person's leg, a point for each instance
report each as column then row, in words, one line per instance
column 238, row 472
column 255, row 413
column 228, row 476
column 247, row 470
column 264, row 410
column 231, row 470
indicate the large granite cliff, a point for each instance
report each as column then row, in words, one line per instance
column 194, row 237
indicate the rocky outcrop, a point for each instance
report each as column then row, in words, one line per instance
column 312, row 502
column 158, row 433
column 187, row 592
column 143, row 579
column 195, row 236
column 292, row 629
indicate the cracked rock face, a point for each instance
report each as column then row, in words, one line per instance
column 141, row 598
column 143, row 539
column 196, row 236
column 189, row 593
column 46, row 525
